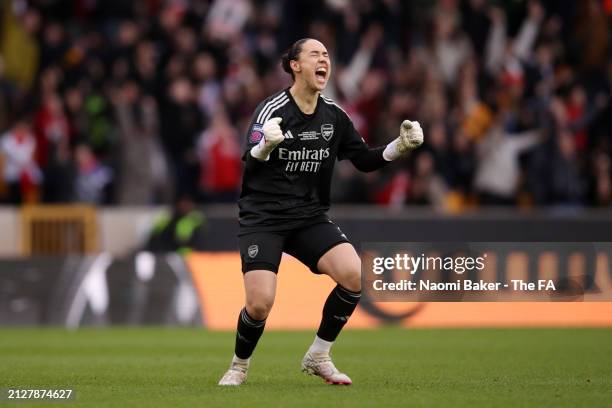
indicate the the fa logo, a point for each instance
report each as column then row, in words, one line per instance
column 327, row 131
column 253, row 250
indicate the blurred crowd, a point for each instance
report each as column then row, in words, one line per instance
column 142, row 102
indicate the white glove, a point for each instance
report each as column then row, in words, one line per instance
column 273, row 135
column 411, row 137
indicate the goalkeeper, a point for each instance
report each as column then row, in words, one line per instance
column 294, row 140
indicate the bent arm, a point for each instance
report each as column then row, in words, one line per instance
column 367, row 159
column 370, row 159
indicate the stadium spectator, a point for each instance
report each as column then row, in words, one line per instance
column 603, row 179
column 53, row 148
column 21, row 175
column 7, row 96
column 181, row 122
column 93, row 179
column 567, row 184
column 142, row 166
column 449, row 47
column 18, row 44
column 498, row 171
column 220, row 161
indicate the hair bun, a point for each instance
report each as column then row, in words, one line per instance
column 285, row 61
column 292, row 54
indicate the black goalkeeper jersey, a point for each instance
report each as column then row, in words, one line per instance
column 293, row 186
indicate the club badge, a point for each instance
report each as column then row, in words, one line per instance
column 253, row 250
column 327, row 131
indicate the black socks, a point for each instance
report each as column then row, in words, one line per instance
column 248, row 332
column 339, row 306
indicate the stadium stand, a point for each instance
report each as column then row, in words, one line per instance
column 139, row 102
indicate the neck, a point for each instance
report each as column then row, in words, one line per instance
column 305, row 97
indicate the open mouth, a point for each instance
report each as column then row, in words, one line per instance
column 321, row 73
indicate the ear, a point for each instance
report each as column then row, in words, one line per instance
column 295, row 65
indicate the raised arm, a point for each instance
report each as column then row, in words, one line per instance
column 272, row 137
column 369, row 159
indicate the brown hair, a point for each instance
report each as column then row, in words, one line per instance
column 292, row 54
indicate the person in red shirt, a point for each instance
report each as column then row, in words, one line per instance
column 220, row 162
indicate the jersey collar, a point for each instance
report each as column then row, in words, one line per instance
column 303, row 115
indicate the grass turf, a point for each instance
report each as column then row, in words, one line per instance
column 390, row 367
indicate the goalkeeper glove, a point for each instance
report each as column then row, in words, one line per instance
column 273, row 135
column 411, row 137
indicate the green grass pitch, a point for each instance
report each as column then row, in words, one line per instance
column 153, row 367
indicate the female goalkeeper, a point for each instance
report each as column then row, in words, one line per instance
column 294, row 139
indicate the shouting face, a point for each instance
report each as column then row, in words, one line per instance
column 313, row 65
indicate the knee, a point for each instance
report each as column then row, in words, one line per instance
column 349, row 275
column 352, row 280
column 259, row 308
column 343, row 265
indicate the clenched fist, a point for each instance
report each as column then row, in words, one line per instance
column 410, row 137
column 273, row 135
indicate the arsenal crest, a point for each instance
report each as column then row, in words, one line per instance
column 327, row 131
column 253, row 250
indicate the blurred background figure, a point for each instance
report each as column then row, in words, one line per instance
column 53, row 149
column 497, row 175
column 220, row 161
column 93, row 179
column 181, row 123
column 21, row 174
column 182, row 231
column 142, row 165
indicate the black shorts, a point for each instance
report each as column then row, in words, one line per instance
column 263, row 250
